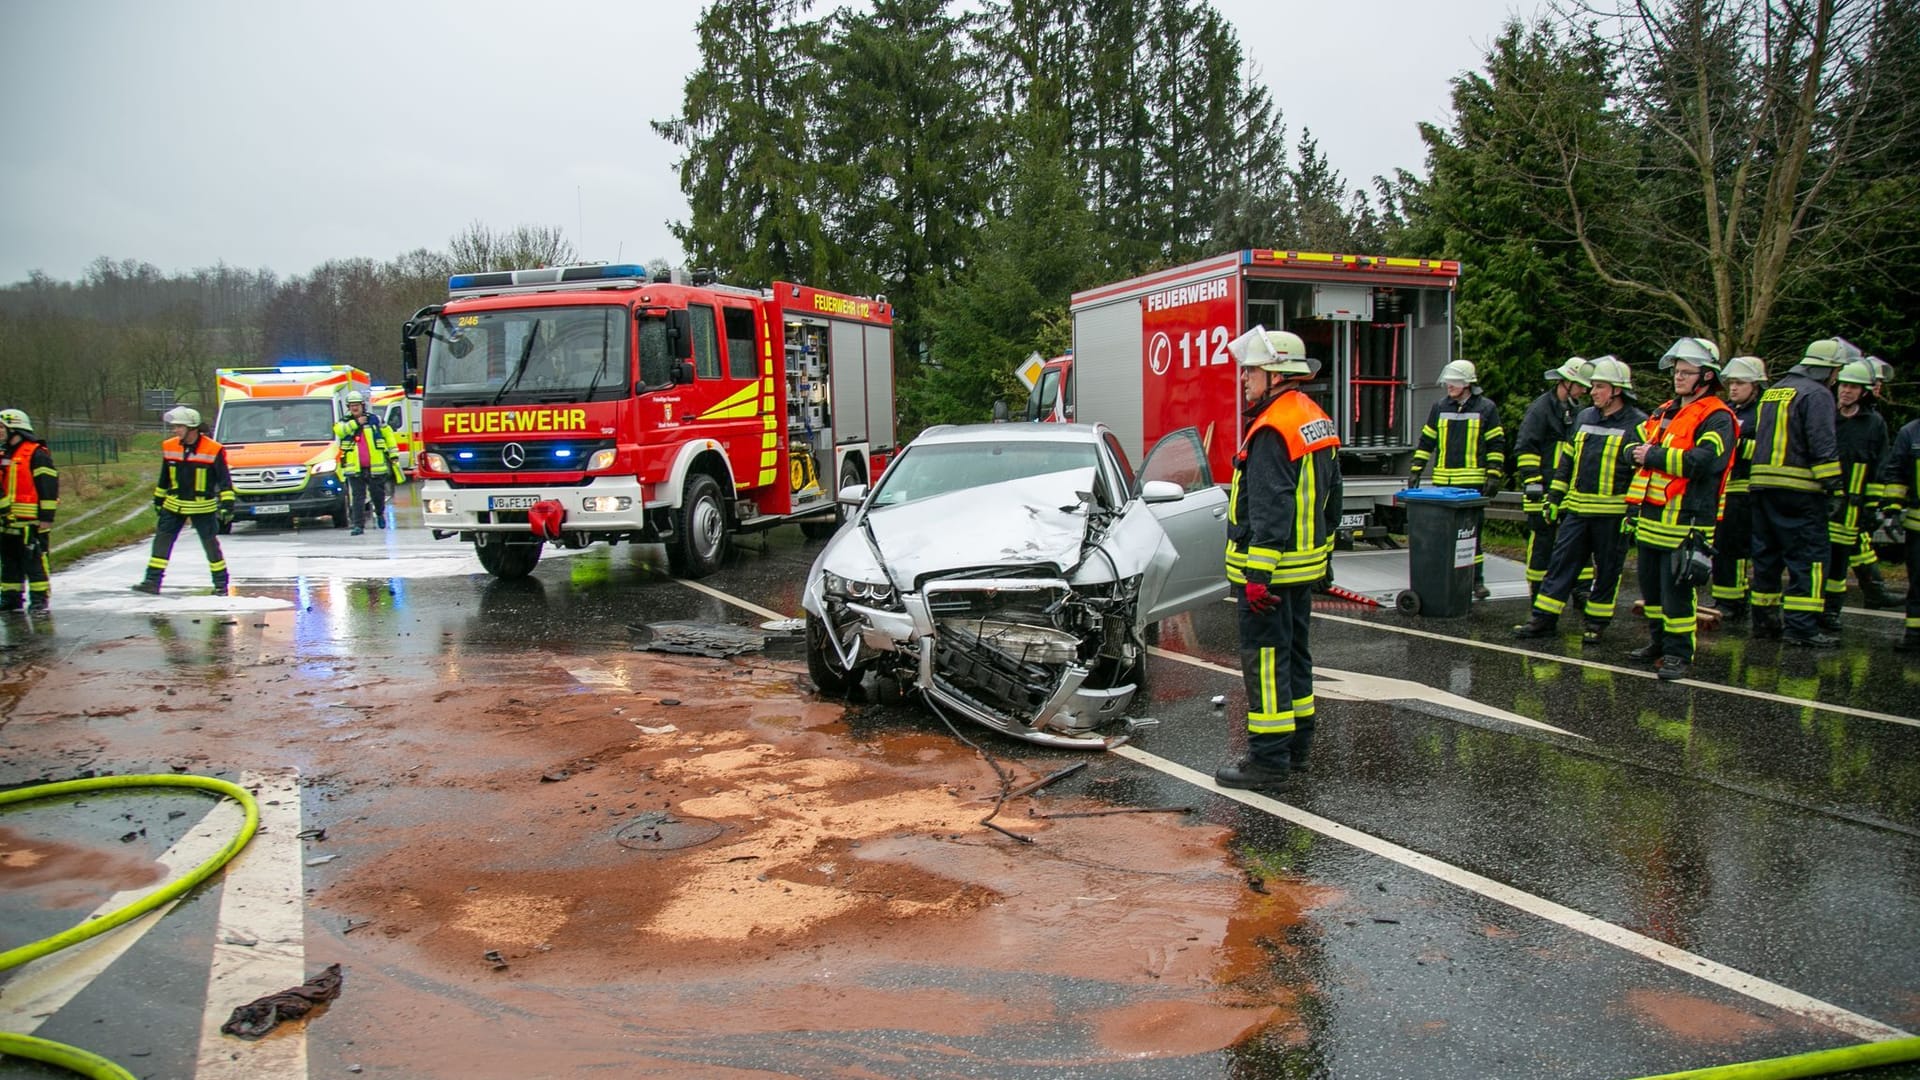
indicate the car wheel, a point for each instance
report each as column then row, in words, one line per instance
column 822, row 663
column 699, row 539
column 507, row 561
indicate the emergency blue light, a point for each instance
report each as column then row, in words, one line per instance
column 563, row 452
column 465, row 455
column 296, row 367
column 546, row 276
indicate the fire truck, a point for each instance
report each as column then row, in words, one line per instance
column 277, row 425
column 400, row 412
column 1150, row 357
column 581, row 404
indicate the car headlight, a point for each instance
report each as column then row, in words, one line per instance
column 321, row 468
column 873, row 594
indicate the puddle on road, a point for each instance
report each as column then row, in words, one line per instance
column 59, row 874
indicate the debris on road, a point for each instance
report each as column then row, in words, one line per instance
column 257, row 1017
column 715, row 640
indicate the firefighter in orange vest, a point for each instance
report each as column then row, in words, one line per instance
column 33, row 496
column 1281, row 519
column 1685, row 456
column 195, row 490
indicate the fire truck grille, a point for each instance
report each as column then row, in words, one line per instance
column 521, row 456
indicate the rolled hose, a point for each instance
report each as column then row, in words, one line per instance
column 73, row 1058
column 1817, row 1063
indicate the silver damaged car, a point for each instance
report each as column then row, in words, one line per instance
column 1009, row 572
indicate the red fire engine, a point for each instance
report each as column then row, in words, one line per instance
column 578, row 404
column 1151, row 357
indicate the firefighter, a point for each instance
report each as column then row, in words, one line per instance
column 1546, row 434
column 1587, row 500
column 1282, row 516
column 1468, row 445
column 1796, row 463
column 33, row 497
column 1900, row 483
column 1860, row 435
column 194, row 490
column 1733, row 540
column 1684, row 457
column 368, row 460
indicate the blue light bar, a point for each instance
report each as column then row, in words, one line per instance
column 546, row 276
column 295, row 367
column 465, row 455
column 563, row 452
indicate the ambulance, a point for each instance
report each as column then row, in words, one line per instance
column 277, row 425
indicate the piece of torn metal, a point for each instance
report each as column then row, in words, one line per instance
column 716, row 640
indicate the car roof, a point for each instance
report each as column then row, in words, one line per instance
column 968, row 433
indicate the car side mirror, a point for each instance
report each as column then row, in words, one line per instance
column 1162, row 491
column 852, row 495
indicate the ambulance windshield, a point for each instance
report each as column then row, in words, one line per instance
column 536, row 355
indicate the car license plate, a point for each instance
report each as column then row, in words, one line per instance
column 511, row 502
column 267, row 509
column 1353, row 521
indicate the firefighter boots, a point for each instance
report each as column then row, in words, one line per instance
column 151, row 586
column 1671, row 669
column 1651, row 650
column 1766, row 624
column 1873, row 591
column 1594, row 631
column 37, row 602
column 1537, row 627
column 1249, row 773
column 1297, row 750
column 1815, row 640
column 9, row 601
column 1910, row 642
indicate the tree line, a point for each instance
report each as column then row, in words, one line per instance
column 1610, row 178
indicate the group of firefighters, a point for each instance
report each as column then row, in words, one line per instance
column 1768, row 491
column 194, row 491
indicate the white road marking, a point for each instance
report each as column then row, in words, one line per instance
column 44, row 986
column 1359, row 686
column 734, row 600
column 261, row 900
column 1641, row 673
column 1681, row 960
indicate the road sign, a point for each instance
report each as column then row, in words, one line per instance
column 1030, row 368
column 156, row 400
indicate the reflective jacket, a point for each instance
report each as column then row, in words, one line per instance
column 1679, row 488
column 1743, row 418
column 1466, row 441
column 33, row 484
column 1285, row 503
column 1900, row 477
column 193, row 481
column 1545, row 439
column 381, row 453
column 1594, row 476
column 1862, row 442
column 1793, row 437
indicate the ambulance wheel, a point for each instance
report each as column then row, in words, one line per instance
column 699, row 538
column 506, row 561
column 1407, row 603
column 339, row 514
column 822, row 664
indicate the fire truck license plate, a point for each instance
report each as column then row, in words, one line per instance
column 1353, row 521
column 511, row 502
column 266, row 509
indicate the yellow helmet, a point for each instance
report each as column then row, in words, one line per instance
column 1830, row 352
column 1857, row 372
column 1575, row 370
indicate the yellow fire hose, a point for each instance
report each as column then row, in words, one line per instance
column 73, row 1058
column 1818, row 1063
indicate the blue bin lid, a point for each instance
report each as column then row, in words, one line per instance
column 1439, row 494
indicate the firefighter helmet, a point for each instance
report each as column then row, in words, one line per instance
column 1746, row 369
column 1612, row 371
column 1459, row 371
column 1278, row 351
column 1882, row 371
column 1694, row 350
column 180, row 414
column 1857, row 372
column 15, row 420
column 355, row 397
column 1574, row 370
column 1830, row 352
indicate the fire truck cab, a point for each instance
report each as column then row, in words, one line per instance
column 574, row 405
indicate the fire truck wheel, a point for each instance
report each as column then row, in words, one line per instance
column 699, row 538
column 506, row 561
column 822, row 664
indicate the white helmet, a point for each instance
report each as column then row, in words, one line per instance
column 1278, row 351
column 1830, row 352
column 15, row 420
column 1695, row 350
column 1460, row 371
column 1575, row 370
column 1746, row 369
column 355, row 397
column 180, row 414
column 1612, row 371
column 1882, row 371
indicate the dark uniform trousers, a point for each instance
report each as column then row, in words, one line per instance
column 22, row 559
column 1913, row 586
column 1587, row 545
column 1668, row 604
column 1278, row 668
column 167, row 529
column 1733, row 547
column 1790, row 536
column 365, row 487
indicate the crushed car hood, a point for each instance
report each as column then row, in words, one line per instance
column 1030, row 522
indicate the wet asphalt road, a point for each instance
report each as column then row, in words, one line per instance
column 1780, row 840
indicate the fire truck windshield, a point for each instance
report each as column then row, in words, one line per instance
column 274, row 420
column 570, row 354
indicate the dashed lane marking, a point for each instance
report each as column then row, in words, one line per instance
column 262, row 905
column 1681, row 960
column 734, row 600
column 1639, row 673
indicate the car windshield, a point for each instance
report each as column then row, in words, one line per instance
column 934, row 469
column 547, row 354
column 286, row 420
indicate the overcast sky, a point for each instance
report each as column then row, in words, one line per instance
column 280, row 134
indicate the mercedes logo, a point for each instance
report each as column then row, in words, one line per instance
column 513, row 455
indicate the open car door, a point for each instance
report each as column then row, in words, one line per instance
column 1195, row 523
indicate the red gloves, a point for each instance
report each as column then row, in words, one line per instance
column 1260, row 599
